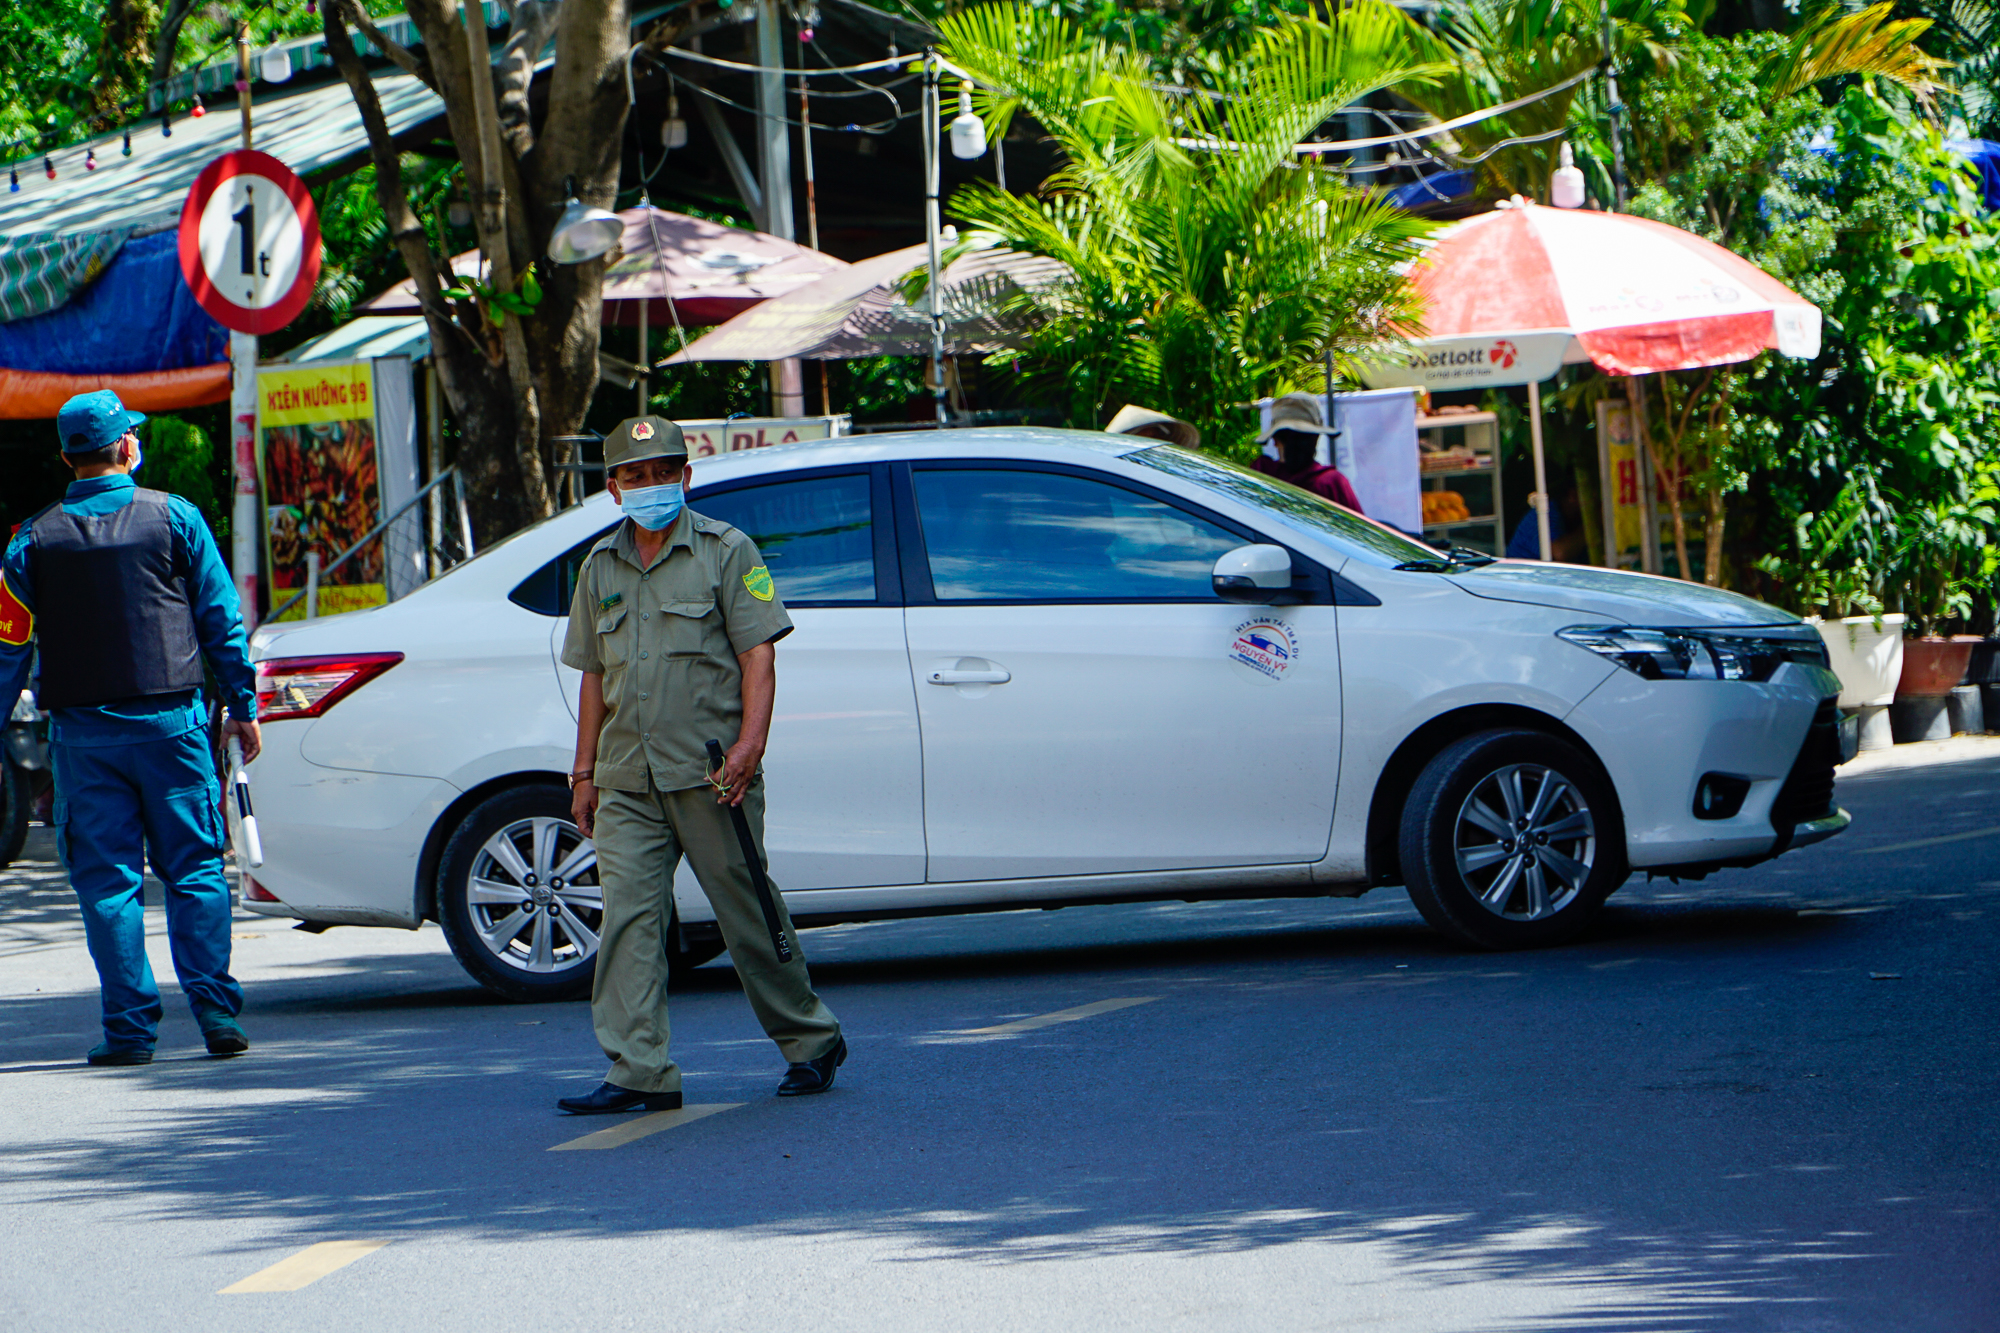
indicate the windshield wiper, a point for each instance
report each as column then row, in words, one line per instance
column 1456, row 557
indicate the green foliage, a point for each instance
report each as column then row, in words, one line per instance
column 180, row 459
column 1208, row 268
column 1903, row 406
column 1821, row 572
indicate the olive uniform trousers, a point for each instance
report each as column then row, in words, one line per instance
column 640, row 839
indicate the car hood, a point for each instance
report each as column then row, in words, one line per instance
column 1613, row 594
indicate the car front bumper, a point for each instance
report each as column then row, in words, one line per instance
column 1659, row 738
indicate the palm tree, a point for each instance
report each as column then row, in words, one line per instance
column 1210, row 266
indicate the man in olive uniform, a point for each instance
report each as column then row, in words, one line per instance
column 674, row 626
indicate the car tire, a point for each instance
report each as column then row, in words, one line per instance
column 1511, row 839
column 16, row 795
column 517, row 896
column 524, row 966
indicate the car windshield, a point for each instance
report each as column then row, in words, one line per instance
column 1301, row 510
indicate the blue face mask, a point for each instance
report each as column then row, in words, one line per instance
column 653, row 508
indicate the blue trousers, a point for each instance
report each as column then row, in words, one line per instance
column 156, row 799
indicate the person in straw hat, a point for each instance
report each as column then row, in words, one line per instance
column 1296, row 430
column 1144, row 421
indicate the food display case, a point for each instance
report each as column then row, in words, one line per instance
column 1458, row 457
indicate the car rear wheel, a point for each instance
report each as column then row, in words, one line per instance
column 520, row 903
column 1511, row 839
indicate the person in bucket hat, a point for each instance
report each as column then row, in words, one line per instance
column 124, row 593
column 1296, row 431
column 674, row 626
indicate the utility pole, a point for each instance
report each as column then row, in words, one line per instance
column 246, row 519
column 774, row 169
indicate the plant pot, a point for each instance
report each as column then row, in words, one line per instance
column 1933, row 667
column 1868, row 659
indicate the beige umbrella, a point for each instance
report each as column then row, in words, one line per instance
column 860, row 312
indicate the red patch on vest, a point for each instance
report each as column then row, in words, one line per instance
column 17, row 622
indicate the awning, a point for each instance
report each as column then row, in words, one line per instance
column 367, row 336
column 313, row 131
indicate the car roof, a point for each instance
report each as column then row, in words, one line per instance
column 1021, row 442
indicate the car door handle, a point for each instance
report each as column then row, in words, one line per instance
column 994, row 676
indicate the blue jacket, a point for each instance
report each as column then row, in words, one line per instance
column 218, row 621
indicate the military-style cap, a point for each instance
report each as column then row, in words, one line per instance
column 640, row 438
column 95, row 420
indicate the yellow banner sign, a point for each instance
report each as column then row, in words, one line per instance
column 302, row 395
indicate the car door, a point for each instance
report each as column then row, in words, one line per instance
column 1088, row 704
column 844, row 767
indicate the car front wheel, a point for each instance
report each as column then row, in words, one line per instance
column 1511, row 839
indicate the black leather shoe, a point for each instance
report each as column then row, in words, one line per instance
column 106, row 1054
column 608, row 1097
column 802, row 1080
column 224, row 1036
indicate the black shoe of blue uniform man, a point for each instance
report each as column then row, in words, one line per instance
column 223, row 1034
column 810, row 1076
column 105, row 1054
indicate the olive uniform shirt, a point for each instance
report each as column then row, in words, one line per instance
column 666, row 638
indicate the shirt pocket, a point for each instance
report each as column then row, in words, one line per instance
column 684, row 627
column 614, row 638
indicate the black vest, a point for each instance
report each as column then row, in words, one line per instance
column 112, row 612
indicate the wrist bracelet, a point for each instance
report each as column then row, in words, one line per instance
column 575, row 778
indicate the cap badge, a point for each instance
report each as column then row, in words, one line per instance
column 642, row 430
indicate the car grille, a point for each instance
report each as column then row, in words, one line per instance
column 1808, row 791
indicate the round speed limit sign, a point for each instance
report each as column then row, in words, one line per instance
column 249, row 242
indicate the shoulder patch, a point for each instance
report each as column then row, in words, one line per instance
column 17, row 622
column 758, row 581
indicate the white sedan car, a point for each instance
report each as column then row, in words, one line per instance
column 1035, row 668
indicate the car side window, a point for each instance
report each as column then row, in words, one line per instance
column 1006, row 535
column 549, row 589
column 816, row 534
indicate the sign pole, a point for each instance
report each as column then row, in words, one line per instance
column 246, row 524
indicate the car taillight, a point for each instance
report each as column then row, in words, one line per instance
column 308, row 686
column 257, row 893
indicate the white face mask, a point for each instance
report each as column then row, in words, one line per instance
column 138, row 457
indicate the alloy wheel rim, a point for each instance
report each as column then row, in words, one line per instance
column 1525, row 842
column 535, row 901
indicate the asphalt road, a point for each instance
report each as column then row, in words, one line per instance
column 1761, row 1102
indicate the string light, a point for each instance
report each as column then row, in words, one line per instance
column 49, row 165
column 128, row 143
column 166, row 121
column 199, row 110
column 90, row 160
column 13, row 180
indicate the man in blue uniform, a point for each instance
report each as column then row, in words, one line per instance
column 124, row 593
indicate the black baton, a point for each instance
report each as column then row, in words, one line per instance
column 757, row 876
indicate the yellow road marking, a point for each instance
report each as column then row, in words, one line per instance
column 631, row 1131
column 1928, row 842
column 306, row 1267
column 1059, row 1016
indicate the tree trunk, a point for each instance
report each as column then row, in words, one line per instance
column 167, row 38
column 1711, row 570
column 512, row 382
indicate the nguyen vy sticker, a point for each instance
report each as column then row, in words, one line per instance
column 17, row 622
column 1264, row 649
column 758, row 581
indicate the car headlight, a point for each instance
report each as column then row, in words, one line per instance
column 1700, row 654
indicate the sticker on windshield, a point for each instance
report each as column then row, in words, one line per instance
column 1264, row 650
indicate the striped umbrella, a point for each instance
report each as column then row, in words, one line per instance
column 1513, row 295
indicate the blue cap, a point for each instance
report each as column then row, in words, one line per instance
column 94, row 421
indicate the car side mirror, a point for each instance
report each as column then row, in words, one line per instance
column 1258, row 575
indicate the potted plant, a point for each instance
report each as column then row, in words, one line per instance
column 1822, row 575
column 1942, row 561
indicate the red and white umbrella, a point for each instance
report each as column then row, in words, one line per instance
column 1513, row 295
